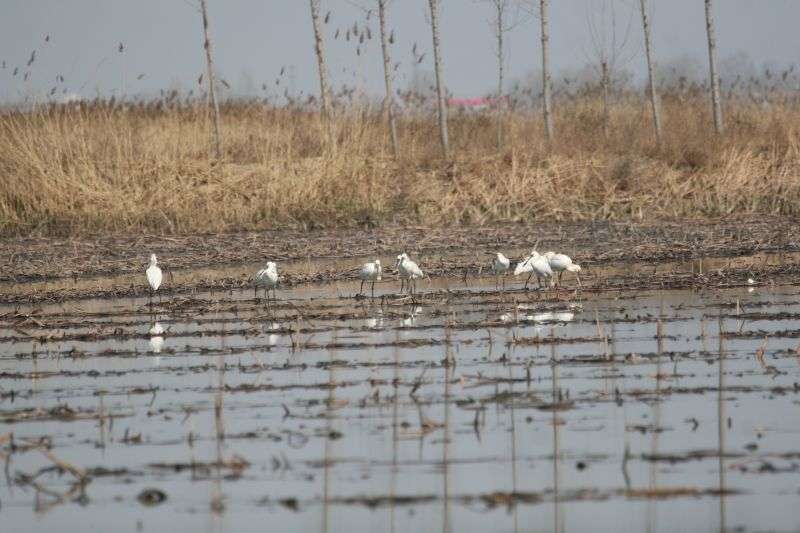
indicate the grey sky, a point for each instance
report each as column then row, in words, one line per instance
column 255, row 38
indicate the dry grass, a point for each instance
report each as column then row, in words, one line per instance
column 121, row 168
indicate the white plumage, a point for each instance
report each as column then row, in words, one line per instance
column 370, row 272
column 408, row 270
column 267, row 277
column 501, row 264
column 536, row 265
column 524, row 266
column 154, row 275
column 561, row 263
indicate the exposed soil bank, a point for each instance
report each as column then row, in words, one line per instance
column 454, row 251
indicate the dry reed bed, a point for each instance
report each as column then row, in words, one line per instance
column 92, row 168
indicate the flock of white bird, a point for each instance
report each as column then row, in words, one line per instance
column 548, row 269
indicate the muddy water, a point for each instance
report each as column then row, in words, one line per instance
column 466, row 409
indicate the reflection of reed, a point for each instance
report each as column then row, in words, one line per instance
column 101, row 413
column 329, row 427
column 721, row 428
column 445, row 444
column 513, row 444
column 651, row 503
column 395, row 436
column 557, row 522
column 217, row 503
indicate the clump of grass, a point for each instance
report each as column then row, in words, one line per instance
column 118, row 168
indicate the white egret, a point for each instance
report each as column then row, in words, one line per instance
column 370, row 272
column 500, row 266
column 154, row 276
column 535, row 265
column 561, row 263
column 267, row 277
column 408, row 270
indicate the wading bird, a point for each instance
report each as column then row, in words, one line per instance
column 408, row 270
column 560, row 263
column 370, row 272
column 267, row 277
column 154, row 276
column 535, row 265
column 500, row 267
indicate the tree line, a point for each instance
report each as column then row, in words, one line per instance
column 501, row 25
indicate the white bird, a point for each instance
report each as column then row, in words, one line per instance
column 500, row 266
column 561, row 263
column 154, row 275
column 524, row 265
column 370, row 272
column 536, row 265
column 408, row 270
column 267, row 277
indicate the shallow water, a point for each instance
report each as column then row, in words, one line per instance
column 464, row 410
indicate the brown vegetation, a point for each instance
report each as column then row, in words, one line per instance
column 100, row 167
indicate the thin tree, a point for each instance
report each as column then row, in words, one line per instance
column 648, row 49
column 546, row 97
column 387, row 75
column 716, row 103
column 500, row 26
column 608, row 49
column 319, row 47
column 211, row 81
column 440, row 89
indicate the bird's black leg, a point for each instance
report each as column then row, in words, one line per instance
column 373, row 288
column 361, row 290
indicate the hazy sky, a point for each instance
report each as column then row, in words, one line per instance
column 253, row 39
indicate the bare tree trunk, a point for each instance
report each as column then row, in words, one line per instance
column 716, row 104
column 548, row 110
column 211, row 81
column 500, row 60
column 606, row 112
column 648, row 48
column 319, row 46
column 387, row 75
column 440, row 89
